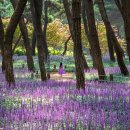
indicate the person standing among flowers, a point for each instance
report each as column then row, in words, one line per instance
column 61, row 70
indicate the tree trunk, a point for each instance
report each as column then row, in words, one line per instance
column 70, row 22
column 112, row 38
column 44, row 37
column 78, row 53
column 65, row 45
column 34, row 42
column 95, row 48
column 69, row 16
column 2, row 43
column 45, row 28
column 85, row 22
column 9, row 38
column 126, row 12
column 24, row 33
column 27, row 45
column 110, row 45
column 39, row 36
column 111, row 48
column 124, row 7
column 86, row 67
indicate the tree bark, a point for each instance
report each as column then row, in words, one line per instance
column 78, row 53
column 124, row 7
column 45, row 28
column 112, row 38
column 34, row 42
column 24, row 33
column 9, row 38
column 39, row 36
column 46, row 6
column 126, row 12
column 86, row 67
column 85, row 22
column 70, row 22
column 2, row 43
column 110, row 47
column 95, row 48
column 65, row 45
column 69, row 15
column 27, row 45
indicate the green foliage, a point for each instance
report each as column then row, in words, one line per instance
column 19, row 51
column 6, row 8
column 54, row 51
column 56, row 11
column 57, row 34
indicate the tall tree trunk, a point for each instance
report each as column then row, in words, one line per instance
column 9, row 38
column 95, row 48
column 78, row 53
column 124, row 7
column 110, row 47
column 126, row 12
column 112, row 38
column 39, row 36
column 2, row 43
column 86, row 67
column 69, row 15
column 45, row 27
column 24, row 33
column 70, row 22
column 27, row 45
column 85, row 22
column 34, row 42
column 46, row 6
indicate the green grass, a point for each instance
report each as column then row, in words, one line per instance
column 70, row 68
column 68, row 63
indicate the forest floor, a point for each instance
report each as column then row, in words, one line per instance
column 57, row 104
column 66, row 76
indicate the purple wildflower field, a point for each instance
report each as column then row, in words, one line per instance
column 58, row 105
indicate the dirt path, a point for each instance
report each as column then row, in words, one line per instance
column 65, row 76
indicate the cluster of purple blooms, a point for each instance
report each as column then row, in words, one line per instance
column 108, row 70
column 58, row 105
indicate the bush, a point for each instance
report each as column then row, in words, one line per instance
column 19, row 51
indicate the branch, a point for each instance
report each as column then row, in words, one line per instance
column 18, row 40
column 16, row 43
column 65, row 45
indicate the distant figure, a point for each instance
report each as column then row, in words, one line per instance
column 54, row 68
column 61, row 70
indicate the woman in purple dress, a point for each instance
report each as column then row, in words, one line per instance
column 61, row 70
